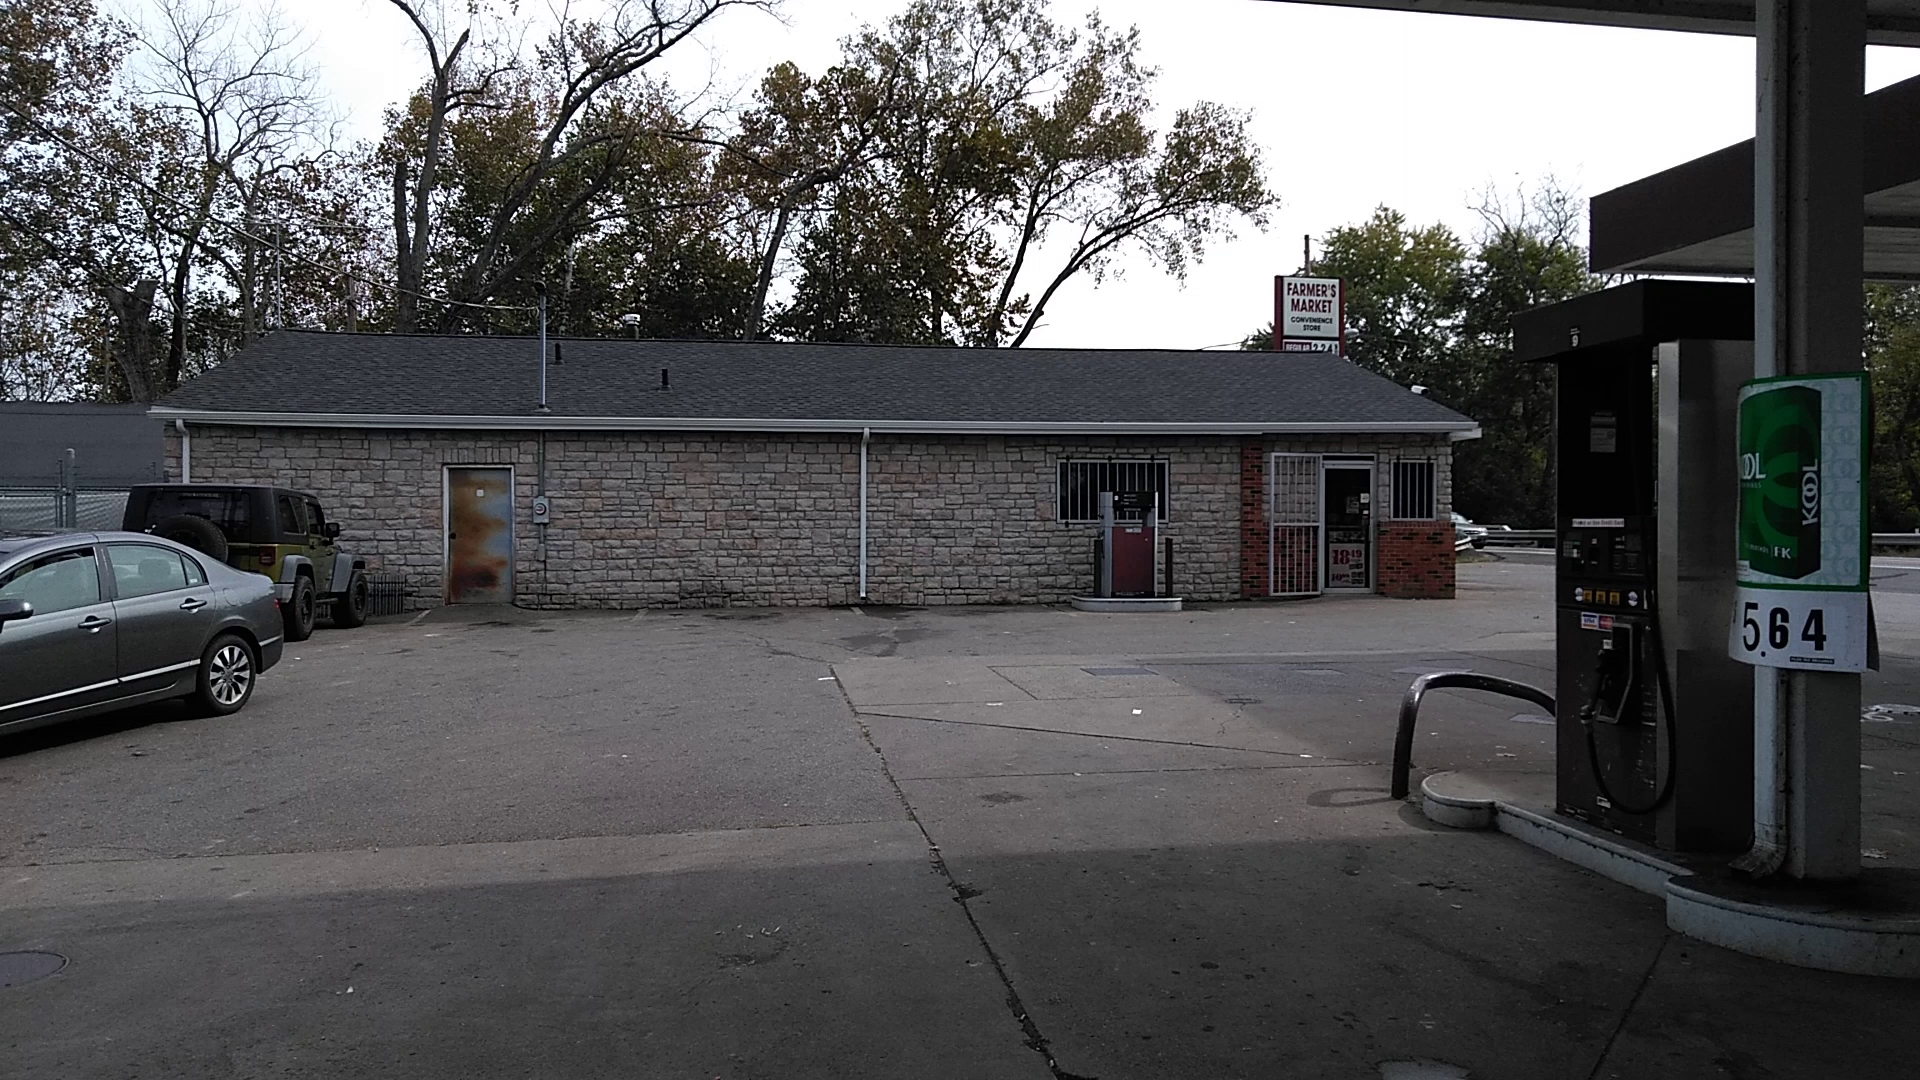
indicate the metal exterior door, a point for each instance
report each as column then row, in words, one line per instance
column 1349, row 525
column 479, row 509
column 1293, row 525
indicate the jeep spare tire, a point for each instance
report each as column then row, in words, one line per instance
column 197, row 533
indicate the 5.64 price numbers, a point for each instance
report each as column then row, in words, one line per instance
column 1779, row 628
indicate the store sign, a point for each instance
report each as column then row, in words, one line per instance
column 1309, row 314
column 1802, row 563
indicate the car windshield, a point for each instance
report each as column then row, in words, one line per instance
column 226, row 509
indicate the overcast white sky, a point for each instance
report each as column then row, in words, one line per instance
column 1354, row 109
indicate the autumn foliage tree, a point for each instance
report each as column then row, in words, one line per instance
column 176, row 187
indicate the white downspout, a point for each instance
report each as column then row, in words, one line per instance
column 186, row 451
column 866, row 435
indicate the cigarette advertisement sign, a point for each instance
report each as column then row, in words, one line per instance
column 1802, row 561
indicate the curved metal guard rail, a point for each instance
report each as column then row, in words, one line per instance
column 1443, row 680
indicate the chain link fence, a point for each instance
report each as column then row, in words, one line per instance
column 48, row 510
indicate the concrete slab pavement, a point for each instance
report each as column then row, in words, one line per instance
column 827, row 851
column 730, row 957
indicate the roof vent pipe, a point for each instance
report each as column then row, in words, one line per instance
column 663, row 380
column 556, row 354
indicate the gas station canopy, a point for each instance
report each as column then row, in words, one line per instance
column 1889, row 22
column 1697, row 218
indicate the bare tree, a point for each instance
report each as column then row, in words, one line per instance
column 585, row 63
column 412, row 210
column 249, row 104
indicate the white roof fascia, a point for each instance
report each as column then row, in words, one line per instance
column 1453, row 428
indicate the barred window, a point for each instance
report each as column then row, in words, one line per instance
column 1081, row 483
column 1415, row 484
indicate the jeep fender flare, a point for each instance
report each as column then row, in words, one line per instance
column 344, row 565
column 290, row 567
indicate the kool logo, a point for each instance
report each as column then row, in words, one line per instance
column 1750, row 467
column 1810, row 493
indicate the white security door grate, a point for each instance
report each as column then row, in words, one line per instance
column 1294, row 522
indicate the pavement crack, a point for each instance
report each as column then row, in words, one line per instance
column 963, row 894
column 1627, row 1013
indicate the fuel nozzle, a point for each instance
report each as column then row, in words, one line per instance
column 1614, row 678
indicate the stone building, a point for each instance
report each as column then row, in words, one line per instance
column 762, row 473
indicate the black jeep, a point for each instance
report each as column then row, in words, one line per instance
column 272, row 531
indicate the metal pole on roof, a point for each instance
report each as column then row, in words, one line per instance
column 543, row 346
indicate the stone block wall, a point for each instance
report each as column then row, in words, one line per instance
column 1399, row 538
column 974, row 519
column 647, row 519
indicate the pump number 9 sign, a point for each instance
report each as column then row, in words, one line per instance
column 1802, row 562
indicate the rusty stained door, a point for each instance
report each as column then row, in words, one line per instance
column 479, row 535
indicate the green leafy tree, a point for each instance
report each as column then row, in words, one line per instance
column 1893, row 361
column 1424, row 308
column 1009, row 156
column 1528, row 255
column 1406, row 294
column 801, row 138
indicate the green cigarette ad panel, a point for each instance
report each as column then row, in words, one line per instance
column 1802, row 561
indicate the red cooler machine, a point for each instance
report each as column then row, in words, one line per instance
column 1129, row 537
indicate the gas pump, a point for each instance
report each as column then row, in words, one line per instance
column 1654, row 721
column 1612, row 674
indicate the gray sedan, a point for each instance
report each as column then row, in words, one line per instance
column 96, row 621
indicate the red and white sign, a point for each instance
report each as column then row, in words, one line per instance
column 1346, row 565
column 1309, row 314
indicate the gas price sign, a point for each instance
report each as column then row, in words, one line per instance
column 1802, row 563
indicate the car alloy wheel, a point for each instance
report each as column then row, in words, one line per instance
column 230, row 675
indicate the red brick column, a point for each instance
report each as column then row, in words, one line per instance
column 1253, row 519
column 1415, row 559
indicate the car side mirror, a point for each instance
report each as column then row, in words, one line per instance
column 11, row 609
column 331, row 529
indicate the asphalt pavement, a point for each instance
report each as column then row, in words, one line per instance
column 874, row 843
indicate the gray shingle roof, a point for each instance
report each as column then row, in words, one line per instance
column 388, row 375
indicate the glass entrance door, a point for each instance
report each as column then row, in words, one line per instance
column 1349, row 531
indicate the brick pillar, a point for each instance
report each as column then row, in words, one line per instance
column 1415, row 559
column 1253, row 519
